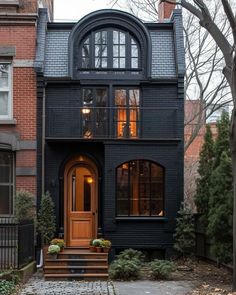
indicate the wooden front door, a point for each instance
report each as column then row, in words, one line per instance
column 80, row 203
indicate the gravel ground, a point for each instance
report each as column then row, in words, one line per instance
column 37, row 286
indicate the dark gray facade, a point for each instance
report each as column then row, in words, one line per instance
column 159, row 80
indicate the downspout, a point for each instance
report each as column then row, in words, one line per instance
column 43, row 141
column 43, row 164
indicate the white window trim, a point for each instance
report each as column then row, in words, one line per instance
column 10, row 93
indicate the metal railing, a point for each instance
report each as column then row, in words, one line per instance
column 111, row 122
column 16, row 243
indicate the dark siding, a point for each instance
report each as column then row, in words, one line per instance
column 152, row 233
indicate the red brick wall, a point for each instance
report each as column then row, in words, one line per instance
column 26, row 183
column 165, row 10
column 23, row 37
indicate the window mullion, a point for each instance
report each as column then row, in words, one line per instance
column 92, row 50
column 110, row 49
column 129, row 188
column 150, row 186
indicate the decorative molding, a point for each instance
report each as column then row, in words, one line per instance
column 7, row 51
column 25, row 171
column 23, row 63
column 11, row 140
column 27, row 145
column 8, row 122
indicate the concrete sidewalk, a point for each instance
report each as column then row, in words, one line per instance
column 153, row 288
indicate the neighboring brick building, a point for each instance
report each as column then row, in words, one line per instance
column 191, row 156
column 18, row 34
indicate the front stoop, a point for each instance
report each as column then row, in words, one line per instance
column 76, row 264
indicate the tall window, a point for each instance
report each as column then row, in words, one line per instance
column 127, row 112
column 110, row 48
column 6, row 183
column 140, row 189
column 94, row 112
column 5, row 91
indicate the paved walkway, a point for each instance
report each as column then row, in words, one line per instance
column 37, row 286
column 153, row 288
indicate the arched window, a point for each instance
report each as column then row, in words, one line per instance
column 140, row 189
column 110, row 49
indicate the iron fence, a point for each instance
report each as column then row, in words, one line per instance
column 16, row 243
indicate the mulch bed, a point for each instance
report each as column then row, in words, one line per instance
column 207, row 278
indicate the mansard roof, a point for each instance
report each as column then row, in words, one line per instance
column 163, row 41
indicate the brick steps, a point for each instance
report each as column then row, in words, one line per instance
column 76, row 263
column 88, row 276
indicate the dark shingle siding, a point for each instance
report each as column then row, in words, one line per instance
column 163, row 54
column 56, row 62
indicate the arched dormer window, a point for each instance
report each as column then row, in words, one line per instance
column 109, row 48
column 109, row 43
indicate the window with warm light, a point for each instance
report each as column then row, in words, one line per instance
column 140, row 189
column 127, row 115
column 110, row 48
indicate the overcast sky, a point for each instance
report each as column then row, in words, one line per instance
column 69, row 10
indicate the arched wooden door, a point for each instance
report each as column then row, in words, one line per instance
column 80, row 199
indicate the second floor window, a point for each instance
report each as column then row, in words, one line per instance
column 5, row 91
column 127, row 113
column 94, row 112
column 110, row 49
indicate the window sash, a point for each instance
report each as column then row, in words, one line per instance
column 116, row 52
column 7, row 186
column 139, row 191
column 6, row 94
column 127, row 112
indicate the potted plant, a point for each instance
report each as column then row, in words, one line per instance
column 59, row 242
column 97, row 243
column 106, row 245
column 53, row 250
column 92, row 248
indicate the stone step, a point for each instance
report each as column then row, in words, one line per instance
column 75, row 269
column 76, row 262
column 88, row 276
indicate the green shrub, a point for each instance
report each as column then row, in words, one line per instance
column 6, row 287
column 46, row 219
column 122, row 269
column 131, row 254
column 25, row 206
column 161, row 269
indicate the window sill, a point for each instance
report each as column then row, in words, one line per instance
column 162, row 219
column 7, row 121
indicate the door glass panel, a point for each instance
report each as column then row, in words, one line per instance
column 82, row 182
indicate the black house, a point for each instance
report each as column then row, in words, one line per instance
column 110, row 127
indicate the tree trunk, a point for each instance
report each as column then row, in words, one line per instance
column 233, row 153
column 233, row 141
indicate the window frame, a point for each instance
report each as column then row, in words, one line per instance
column 11, row 184
column 129, row 216
column 9, row 91
column 128, row 108
column 93, row 108
column 110, row 54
